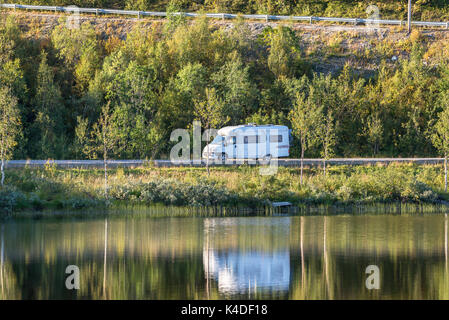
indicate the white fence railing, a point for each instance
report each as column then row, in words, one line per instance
column 224, row 16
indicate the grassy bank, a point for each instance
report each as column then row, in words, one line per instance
column 414, row 187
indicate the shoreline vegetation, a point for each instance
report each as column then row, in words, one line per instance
column 235, row 191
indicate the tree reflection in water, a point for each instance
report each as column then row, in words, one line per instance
column 308, row 257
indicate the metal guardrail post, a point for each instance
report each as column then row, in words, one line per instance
column 311, row 18
column 409, row 16
column 447, row 25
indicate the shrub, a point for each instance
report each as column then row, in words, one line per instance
column 174, row 193
column 10, row 199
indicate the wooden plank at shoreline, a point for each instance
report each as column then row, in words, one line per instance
column 281, row 204
column 197, row 163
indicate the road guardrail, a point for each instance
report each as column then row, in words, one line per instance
column 224, row 16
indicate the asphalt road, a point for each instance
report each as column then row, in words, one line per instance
column 197, row 163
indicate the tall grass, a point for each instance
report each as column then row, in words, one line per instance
column 351, row 189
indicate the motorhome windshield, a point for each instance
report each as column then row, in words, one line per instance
column 218, row 140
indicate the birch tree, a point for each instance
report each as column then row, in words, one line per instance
column 326, row 137
column 304, row 118
column 374, row 132
column 9, row 126
column 210, row 112
column 104, row 139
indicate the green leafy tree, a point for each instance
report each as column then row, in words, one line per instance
column 326, row 136
column 348, row 103
column 175, row 15
column 105, row 136
column 103, row 139
column 210, row 112
column 141, row 5
column 304, row 118
column 49, row 111
column 81, row 143
column 190, row 82
column 179, row 97
column 440, row 136
column 285, row 55
column 11, row 69
column 374, row 132
column 131, row 89
column 267, row 118
column 79, row 50
column 10, row 126
column 408, row 99
column 234, row 85
column 195, row 43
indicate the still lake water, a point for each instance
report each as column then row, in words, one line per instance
column 310, row 257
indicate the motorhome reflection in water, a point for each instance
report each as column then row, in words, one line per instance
column 254, row 268
column 250, row 142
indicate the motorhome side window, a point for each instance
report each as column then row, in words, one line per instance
column 253, row 139
column 276, row 138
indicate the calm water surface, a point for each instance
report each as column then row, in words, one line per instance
column 216, row 258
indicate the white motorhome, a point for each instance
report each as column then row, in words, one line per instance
column 249, row 142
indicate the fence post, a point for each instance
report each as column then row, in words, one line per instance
column 266, row 18
column 96, row 11
column 223, row 16
column 311, row 19
column 447, row 25
column 409, row 16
